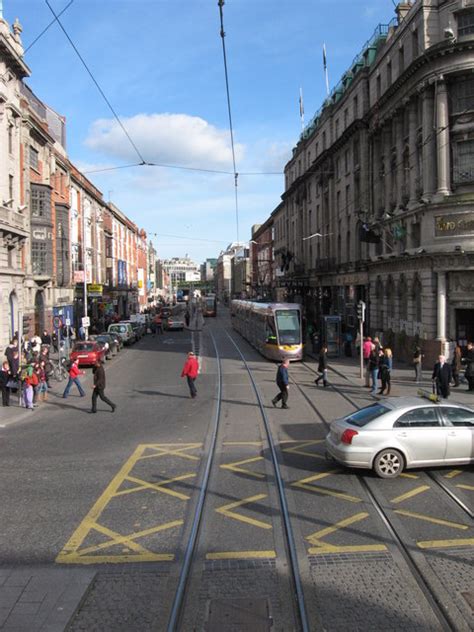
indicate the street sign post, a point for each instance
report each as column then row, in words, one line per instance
column 361, row 306
column 86, row 322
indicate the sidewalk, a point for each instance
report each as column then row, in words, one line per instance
column 403, row 379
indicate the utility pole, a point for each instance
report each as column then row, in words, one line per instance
column 84, row 270
column 361, row 306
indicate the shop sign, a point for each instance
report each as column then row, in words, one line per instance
column 454, row 225
column 94, row 289
column 78, row 276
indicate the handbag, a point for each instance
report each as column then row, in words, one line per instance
column 12, row 384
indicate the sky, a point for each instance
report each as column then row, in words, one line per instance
column 160, row 65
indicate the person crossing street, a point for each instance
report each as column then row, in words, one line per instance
column 74, row 373
column 282, row 380
column 323, row 367
column 190, row 372
column 99, row 387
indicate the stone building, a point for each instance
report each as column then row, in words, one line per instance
column 378, row 201
column 14, row 221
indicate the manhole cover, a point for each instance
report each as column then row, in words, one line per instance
column 469, row 597
column 252, row 615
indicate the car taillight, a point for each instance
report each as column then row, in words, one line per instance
column 348, row 435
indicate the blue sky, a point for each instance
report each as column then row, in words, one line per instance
column 160, row 64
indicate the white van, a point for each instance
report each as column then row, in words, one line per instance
column 125, row 331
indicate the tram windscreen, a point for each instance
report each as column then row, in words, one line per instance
column 288, row 325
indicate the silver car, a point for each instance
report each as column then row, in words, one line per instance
column 403, row 432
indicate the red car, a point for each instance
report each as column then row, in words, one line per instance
column 87, row 352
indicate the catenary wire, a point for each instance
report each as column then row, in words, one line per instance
column 229, row 110
column 111, row 108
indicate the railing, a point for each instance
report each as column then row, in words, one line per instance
column 12, row 218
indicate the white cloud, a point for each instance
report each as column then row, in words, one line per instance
column 177, row 139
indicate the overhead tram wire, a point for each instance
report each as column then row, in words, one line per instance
column 229, row 110
column 111, row 108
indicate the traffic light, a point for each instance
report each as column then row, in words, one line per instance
column 361, row 310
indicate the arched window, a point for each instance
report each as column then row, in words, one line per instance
column 403, row 297
column 416, row 293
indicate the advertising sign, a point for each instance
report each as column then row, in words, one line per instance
column 94, row 289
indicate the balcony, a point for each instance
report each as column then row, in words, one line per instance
column 13, row 223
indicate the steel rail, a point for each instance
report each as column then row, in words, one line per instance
column 443, row 617
column 191, row 545
column 282, row 497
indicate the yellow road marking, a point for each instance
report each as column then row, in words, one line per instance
column 72, row 552
column 241, row 555
column 233, row 466
column 406, row 475
column 304, row 484
column 225, row 511
column 257, row 443
column 468, row 487
column 444, row 523
column 156, row 486
column 453, row 473
column 435, row 544
column 304, row 444
column 325, row 547
column 360, row 548
column 410, row 494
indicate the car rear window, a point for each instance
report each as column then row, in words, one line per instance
column 364, row 415
column 87, row 346
column 120, row 328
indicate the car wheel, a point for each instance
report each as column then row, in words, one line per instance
column 389, row 463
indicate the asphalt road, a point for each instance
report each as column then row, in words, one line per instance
column 112, row 495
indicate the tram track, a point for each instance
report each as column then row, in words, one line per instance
column 379, row 503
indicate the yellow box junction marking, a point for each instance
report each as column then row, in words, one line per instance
column 440, row 544
column 297, row 449
column 453, row 473
column 410, row 494
column 225, row 510
column 242, row 555
column 470, row 488
column 417, row 516
column 132, row 551
column 304, row 483
column 325, row 547
column 234, row 467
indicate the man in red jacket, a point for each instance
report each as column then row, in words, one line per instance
column 74, row 374
column 191, row 370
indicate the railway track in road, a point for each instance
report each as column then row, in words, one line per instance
column 413, row 556
column 179, row 601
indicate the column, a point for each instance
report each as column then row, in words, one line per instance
column 429, row 143
column 442, row 138
column 441, row 307
column 414, row 174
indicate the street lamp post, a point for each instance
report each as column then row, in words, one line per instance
column 84, row 268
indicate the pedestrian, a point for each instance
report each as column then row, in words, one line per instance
column 457, row 365
column 386, row 364
column 30, row 380
column 190, row 371
column 282, row 381
column 54, row 340
column 36, row 344
column 99, row 387
column 417, row 364
column 5, row 377
column 373, row 368
column 46, row 338
column 366, row 349
column 74, row 373
column 43, row 381
column 442, row 376
column 469, row 359
column 187, row 316
column 323, row 366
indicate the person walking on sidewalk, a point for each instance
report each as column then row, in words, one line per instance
column 386, row 364
column 5, row 377
column 282, row 380
column 417, row 359
column 99, row 387
column 373, row 368
column 442, row 376
column 366, row 349
column 457, row 365
column 323, row 366
column 469, row 374
column 74, row 374
column 190, row 372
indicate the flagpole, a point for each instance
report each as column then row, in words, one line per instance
column 301, row 110
column 326, row 69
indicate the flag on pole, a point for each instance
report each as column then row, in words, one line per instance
column 326, row 69
column 301, row 104
column 324, row 57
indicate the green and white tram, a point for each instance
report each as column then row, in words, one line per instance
column 273, row 328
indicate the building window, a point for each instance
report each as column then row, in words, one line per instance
column 463, row 95
column 401, row 60
column 389, row 74
column 414, row 44
column 466, row 23
column 379, row 87
column 38, row 256
column 463, row 169
column 336, row 128
column 416, row 235
column 348, row 196
column 346, row 118
column 346, row 162
column 40, row 202
column 337, row 168
column 324, row 141
column 33, row 158
column 403, row 298
column 355, row 103
column 10, row 139
column 416, row 294
column 10, row 187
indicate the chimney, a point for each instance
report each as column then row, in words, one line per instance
column 402, row 9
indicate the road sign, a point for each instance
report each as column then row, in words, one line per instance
column 57, row 322
column 68, row 322
column 86, row 322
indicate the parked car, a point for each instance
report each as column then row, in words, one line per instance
column 135, row 327
column 108, row 341
column 175, row 322
column 124, row 330
column 87, row 352
column 403, row 432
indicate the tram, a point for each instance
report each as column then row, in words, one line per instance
column 209, row 305
column 272, row 328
